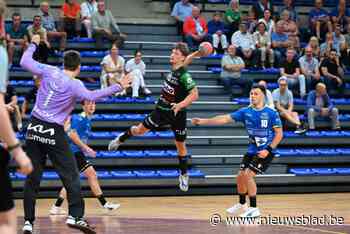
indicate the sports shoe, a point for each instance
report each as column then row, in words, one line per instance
column 111, row 206
column 114, row 144
column 238, row 208
column 300, row 130
column 80, row 224
column 27, row 228
column 183, row 182
column 146, row 91
column 56, row 210
column 251, row 212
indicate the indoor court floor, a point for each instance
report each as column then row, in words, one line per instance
column 191, row 215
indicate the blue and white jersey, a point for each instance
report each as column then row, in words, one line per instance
column 260, row 126
column 82, row 125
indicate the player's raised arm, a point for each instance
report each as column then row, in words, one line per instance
column 217, row 120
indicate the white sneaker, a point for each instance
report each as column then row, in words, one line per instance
column 111, row 206
column 238, row 208
column 56, row 210
column 252, row 212
column 27, row 228
column 80, row 224
column 146, row 91
column 114, row 144
column 183, row 182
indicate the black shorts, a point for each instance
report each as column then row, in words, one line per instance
column 159, row 118
column 82, row 162
column 255, row 163
column 6, row 201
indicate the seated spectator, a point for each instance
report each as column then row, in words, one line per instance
column 268, row 96
column 138, row 68
column 104, row 26
column 309, row 67
column 88, row 8
column 260, row 6
column 284, row 103
column 347, row 46
column 216, row 29
column 288, row 5
column 232, row 17
column 269, row 23
column 340, row 16
column 195, row 29
column 291, row 29
column 263, row 45
column 315, row 47
column 319, row 21
column 16, row 37
column 42, row 52
column 319, row 104
column 245, row 45
column 251, row 21
column 30, row 97
column 340, row 43
column 280, row 43
column 112, row 68
column 180, row 12
column 290, row 70
column 332, row 72
column 70, row 18
column 328, row 45
column 48, row 23
column 231, row 72
column 11, row 105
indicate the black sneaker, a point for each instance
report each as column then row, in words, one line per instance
column 300, row 130
column 80, row 224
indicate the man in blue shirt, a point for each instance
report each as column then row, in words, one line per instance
column 78, row 132
column 319, row 20
column 264, row 129
column 180, row 12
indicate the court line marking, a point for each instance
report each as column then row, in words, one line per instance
column 315, row 229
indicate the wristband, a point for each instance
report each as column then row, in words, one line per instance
column 269, row 148
column 13, row 147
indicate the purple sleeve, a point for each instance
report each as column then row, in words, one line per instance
column 29, row 64
column 83, row 93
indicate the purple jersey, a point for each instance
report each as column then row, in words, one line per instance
column 58, row 92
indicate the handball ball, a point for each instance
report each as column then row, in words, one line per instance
column 206, row 48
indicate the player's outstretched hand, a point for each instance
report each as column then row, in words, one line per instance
column 126, row 81
column 196, row 121
column 90, row 152
column 24, row 163
column 176, row 107
column 36, row 39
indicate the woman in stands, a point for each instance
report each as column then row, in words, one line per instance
column 291, row 29
column 314, row 44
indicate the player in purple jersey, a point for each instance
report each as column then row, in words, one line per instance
column 58, row 93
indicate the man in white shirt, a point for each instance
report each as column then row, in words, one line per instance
column 88, row 8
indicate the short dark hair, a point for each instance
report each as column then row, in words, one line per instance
column 36, row 16
column 333, row 50
column 71, row 60
column 16, row 14
column 183, row 48
column 261, row 87
column 137, row 51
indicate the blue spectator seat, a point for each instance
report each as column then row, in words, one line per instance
column 122, row 174
column 50, row 175
column 104, row 175
column 146, row 173
column 302, row 171
column 323, row 171
column 342, row 171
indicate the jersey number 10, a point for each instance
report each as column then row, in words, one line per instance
column 264, row 123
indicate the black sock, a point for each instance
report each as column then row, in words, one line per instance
column 242, row 199
column 102, row 199
column 183, row 164
column 252, row 201
column 59, row 201
column 126, row 135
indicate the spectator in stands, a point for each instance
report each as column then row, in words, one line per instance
column 341, row 16
column 347, row 46
column 231, row 66
column 340, row 43
column 245, row 45
column 88, row 8
column 104, row 26
column 319, row 20
column 138, row 68
column 269, row 23
column 268, row 95
column 263, row 45
column 284, row 103
column 48, row 22
column 319, row 104
column 251, row 21
column 291, row 29
column 12, row 107
column 309, row 67
column 195, row 29
column 112, row 68
column 216, row 29
column 329, row 44
column 289, row 6
column 232, row 17
column 260, row 6
column 71, row 18
column 332, row 72
column 314, row 45
column 42, row 52
column 16, row 37
column 280, row 42
column 290, row 70
column 30, row 96
column 180, row 12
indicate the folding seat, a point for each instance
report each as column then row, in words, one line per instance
column 327, row 152
column 172, row 153
column 195, row 173
column 134, row 153
column 307, row 152
column 20, row 176
column 165, row 134
column 168, row 173
column 50, row 175
column 343, row 151
column 146, row 173
column 110, row 154
column 342, row 171
column 156, row 153
column 104, row 175
column 286, row 152
column 301, row 171
column 122, row 174
column 323, row 171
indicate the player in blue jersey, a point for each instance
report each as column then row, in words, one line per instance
column 78, row 131
column 265, row 132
